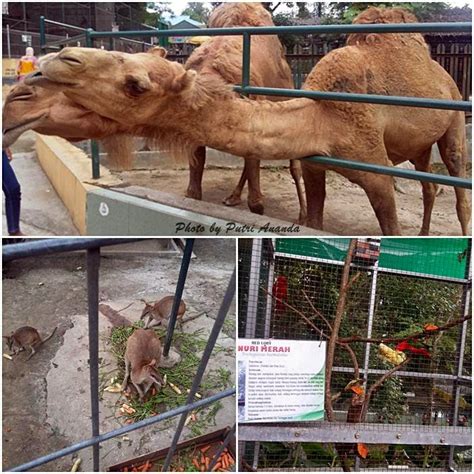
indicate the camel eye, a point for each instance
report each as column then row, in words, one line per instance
column 134, row 88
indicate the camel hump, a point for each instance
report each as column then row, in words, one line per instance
column 240, row 14
column 385, row 15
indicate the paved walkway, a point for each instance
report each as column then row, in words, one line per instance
column 42, row 211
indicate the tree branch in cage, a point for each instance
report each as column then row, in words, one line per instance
column 341, row 304
column 417, row 335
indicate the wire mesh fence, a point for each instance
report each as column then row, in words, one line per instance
column 401, row 368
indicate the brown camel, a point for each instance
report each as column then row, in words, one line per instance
column 198, row 109
column 52, row 113
column 222, row 57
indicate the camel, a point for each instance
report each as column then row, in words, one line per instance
column 52, row 113
column 179, row 106
column 222, row 56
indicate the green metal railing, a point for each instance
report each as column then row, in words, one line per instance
column 246, row 89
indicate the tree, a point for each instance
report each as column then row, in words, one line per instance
column 197, row 11
column 154, row 11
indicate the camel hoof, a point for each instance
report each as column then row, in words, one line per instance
column 256, row 208
column 232, row 201
column 194, row 194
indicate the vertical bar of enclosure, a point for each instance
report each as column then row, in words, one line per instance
column 254, row 280
column 456, row 393
column 183, row 273
column 216, row 328
column 268, row 309
column 246, row 60
column 9, row 48
column 42, row 32
column 224, row 445
column 93, row 262
column 95, row 159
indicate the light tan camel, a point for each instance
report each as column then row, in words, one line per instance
column 199, row 109
column 222, row 57
column 52, row 113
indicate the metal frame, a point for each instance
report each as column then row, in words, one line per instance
column 375, row 433
column 246, row 89
column 92, row 246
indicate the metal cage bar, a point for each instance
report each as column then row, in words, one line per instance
column 245, row 89
column 52, row 246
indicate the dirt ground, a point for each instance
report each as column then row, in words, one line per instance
column 46, row 400
column 347, row 209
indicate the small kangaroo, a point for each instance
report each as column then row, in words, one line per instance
column 26, row 337
column 160, row 311
column 143, row 353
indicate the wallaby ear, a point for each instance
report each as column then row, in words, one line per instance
column 152, row 363
column 158, row 51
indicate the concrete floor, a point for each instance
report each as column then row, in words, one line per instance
column 53, row 408
column 42, row 211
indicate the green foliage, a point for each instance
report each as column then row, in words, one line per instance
column 197, row 11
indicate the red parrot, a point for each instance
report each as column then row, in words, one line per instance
column 280, row 290
column 406, row 346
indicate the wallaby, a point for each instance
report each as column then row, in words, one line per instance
column 26, row 337
column 160, row 311
column 143, row 353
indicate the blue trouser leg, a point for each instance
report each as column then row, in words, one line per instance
column 12, row 190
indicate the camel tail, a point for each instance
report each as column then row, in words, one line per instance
column 119, row 149
column 50, row 336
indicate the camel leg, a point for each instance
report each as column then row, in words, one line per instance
column 251, row 172
column 423, row 163
column 315, row 185
column 297, row 174
column 453, row 149
column 196, row 169
column 235, row 198
column 381, row 193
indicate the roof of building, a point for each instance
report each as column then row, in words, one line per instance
column 184, row 19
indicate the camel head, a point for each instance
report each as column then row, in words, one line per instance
column 25, row 108
column 50, row 112
column 129, row 88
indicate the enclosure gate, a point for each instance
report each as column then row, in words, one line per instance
column 51, row 246
column 246, row 89
column 387, row 293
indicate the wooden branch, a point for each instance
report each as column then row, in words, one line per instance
column 306, row 319
column 341, row 304
column 416, row 335
column 316, row 311
column 377, row 384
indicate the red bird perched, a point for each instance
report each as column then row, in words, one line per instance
column 406, row 346
column 280, row 291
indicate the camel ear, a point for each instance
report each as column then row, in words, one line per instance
column 183, row 81
column 158, row 51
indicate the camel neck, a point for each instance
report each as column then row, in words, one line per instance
column 256, row 129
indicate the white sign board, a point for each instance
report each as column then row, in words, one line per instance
column 280, row 380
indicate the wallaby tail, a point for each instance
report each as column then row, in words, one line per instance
column 50, row 336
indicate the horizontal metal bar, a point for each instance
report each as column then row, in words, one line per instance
column 366, row 98
column 63, row 41
column 123, row 430
column 72, row 27
column 407, row 373
column 52, row 246
column 391, row 171
column 300, row 30
column 325, row 432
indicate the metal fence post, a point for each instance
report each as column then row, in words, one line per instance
column 216, row 328
column 461, row 344
column 42, row 32
column 93, row 263
column 188, row 250
column 246, row 61
column 253, row 295
column 95, row 153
